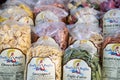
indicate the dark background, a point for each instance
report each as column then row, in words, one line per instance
column 2, row 1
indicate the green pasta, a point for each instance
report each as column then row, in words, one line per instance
column 92, row 61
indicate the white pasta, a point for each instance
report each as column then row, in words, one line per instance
column 15, row 36
column 47, row 51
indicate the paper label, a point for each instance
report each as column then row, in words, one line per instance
column 26, row 20
column 111, row 62
column 76, row 69
column 41, row 69
column 46, row 16
column 111, row 22
column 12, row 64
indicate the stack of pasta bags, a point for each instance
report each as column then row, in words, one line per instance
column 32, row 40
column 15, row 39
column 81, row 59
column 59, row 40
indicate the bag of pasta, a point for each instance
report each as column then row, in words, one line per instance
column 18, row 11
column 111, row 22
column 111, row 56
column 44, row 60
column 81, row 62
column 57, row 30
column 14, row 43
column 58, row 12
column 87, row 31
column 15, row 13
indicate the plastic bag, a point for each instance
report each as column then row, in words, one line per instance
column 61, row 13
column 14, row 44
column 59, row 3
column 17, row 14
column 78, row 32
column 47, row 56
column 88, row 19
column 49, row 2
column 14, row 12
column 81, row 55
column 46, row 16
column 21, row 4
column 84, row 11
column 86, row 26
column 31, row 3
column 111, row 54
column 13, row 3
column 97, row 1
column 109, row 4
column 46, row 41
column 111, row 38
column 56, row 30
column 17, row 35
column 86, row 32
column 84, row 14
column 81, row 1
column 74, row 4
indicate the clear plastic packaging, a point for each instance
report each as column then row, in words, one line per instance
column 85, row 13
column 111, row 54
column 18, row 14
column 46, row 16
column 16, row 35
column 61, row 13
column 15, row 40
column 81, row 55
column 21, row 4
column 47, row 56
column 46, row 41
column 56, row 30
column 51, row 2
column 97, row 1
column 13, row 3
column 109, row 4
column 57, row 3
column 31, row 3
column 83, row 31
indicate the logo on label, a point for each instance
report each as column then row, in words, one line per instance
column 40, row 64
column 41, row 68
column 115, row 50
column 112, row 20
column 11, row 56
column 76, row 68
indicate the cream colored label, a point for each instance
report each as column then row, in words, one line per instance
column 12, row 64
column 111, row 62
column 26, row 20
column 76, row 69
column 41, row 69
column 46, row 16
column 111, row 22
